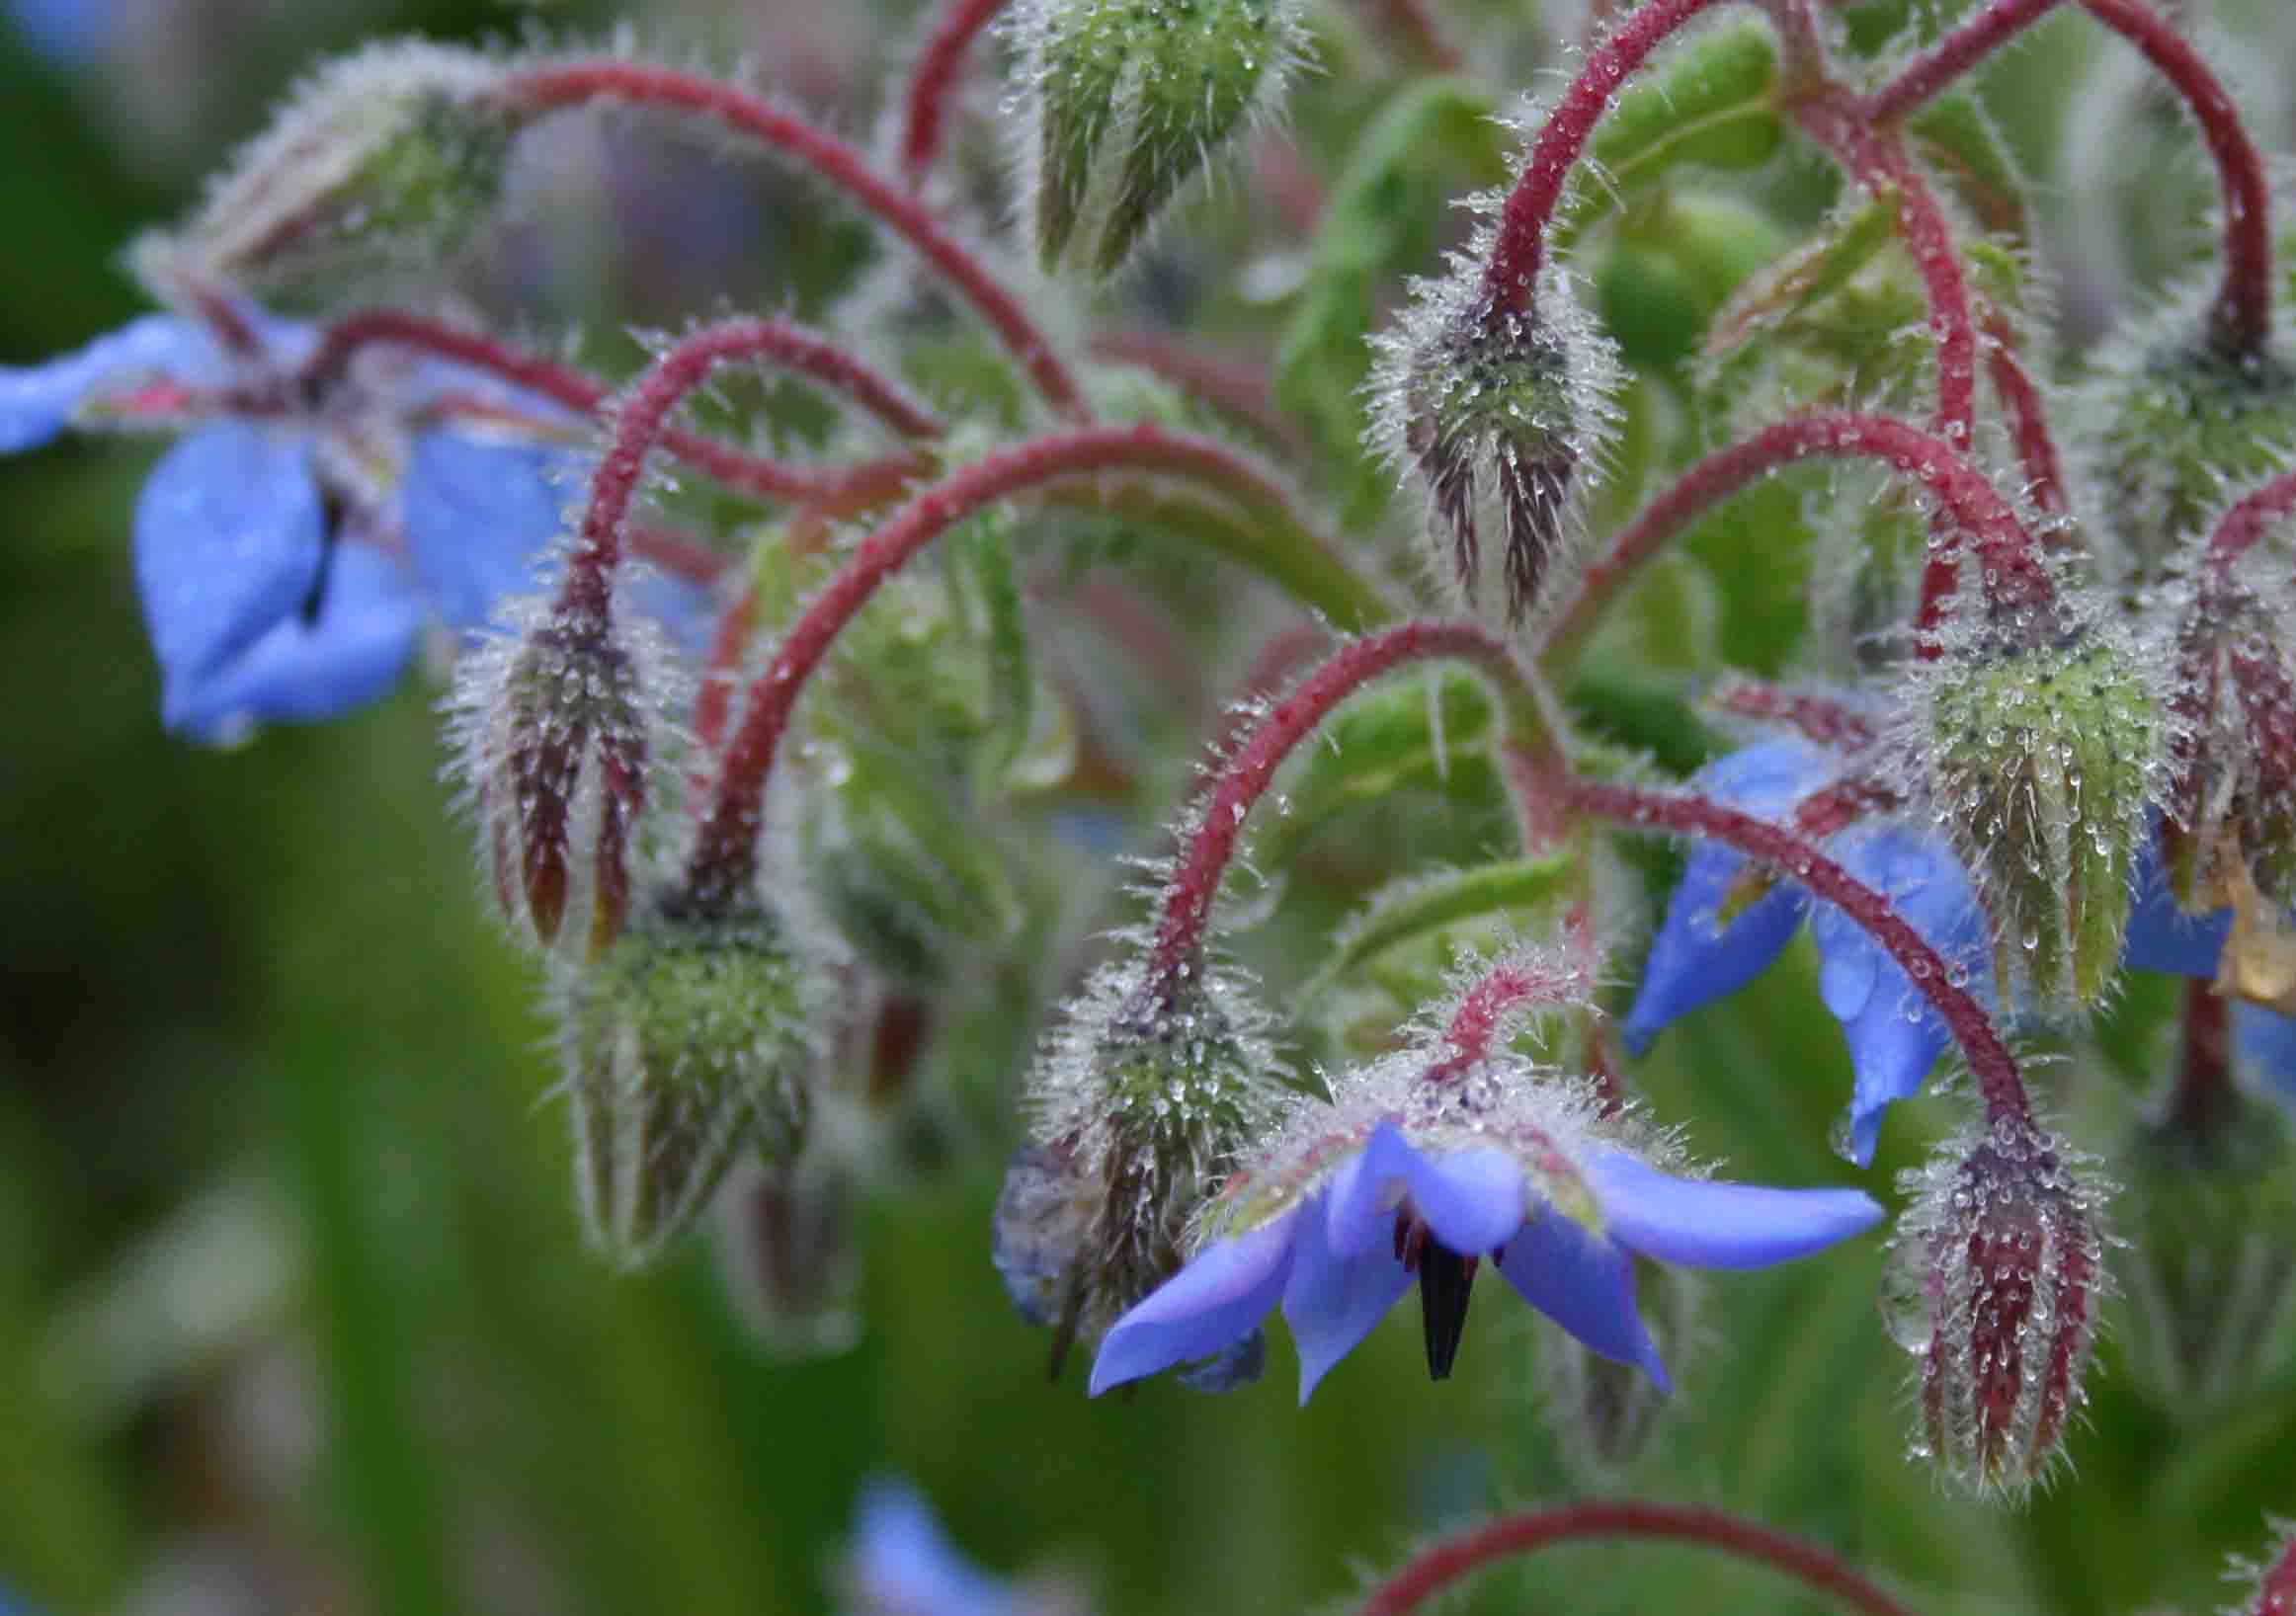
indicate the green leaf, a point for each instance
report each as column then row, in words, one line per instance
column 1411, row 908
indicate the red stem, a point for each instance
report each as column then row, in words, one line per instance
column 752, row 475
column 1990, row 1061
column 638, row 427
column 1480, row 1545
column 2241, row 527
column 2276, row 1592
column 1518, row 979
column 577, row 83
column 1245, row 775
column 1954, row 54
column 924, row 103
column 1974, row 507
column 1828, row 722
column 1511, row 273
column 725, row 854
column 2028, row 415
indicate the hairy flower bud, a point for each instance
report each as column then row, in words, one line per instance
column 1502, row 421
column 2041, row 768
column 1994, row 1286
column 557, row 728
column 688, row 1038
column 1129, row 103
column 2232, row 785
column 1141, row 1100
column 2167, row 422
column 381, row 165
column 787, row 1250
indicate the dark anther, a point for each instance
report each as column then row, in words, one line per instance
column 1445, row 1280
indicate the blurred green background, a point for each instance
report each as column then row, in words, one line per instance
column 293, row 1311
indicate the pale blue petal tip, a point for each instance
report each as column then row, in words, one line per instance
column 1706, row 1224
column 1223, row 1293
column 902, row 1561
column 1332, row 1302
column 480, row 518
column 1693, row 961
column 1584, row 1282
column 39, row 401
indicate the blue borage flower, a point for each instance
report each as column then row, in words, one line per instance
column 265, row 549
column 1404, row 1176
column 1702, row 953
column 901, row 1562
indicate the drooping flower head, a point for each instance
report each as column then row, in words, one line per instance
column 1421, row 1168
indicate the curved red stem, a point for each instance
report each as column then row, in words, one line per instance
column 1480, row 1545
column 925, row 100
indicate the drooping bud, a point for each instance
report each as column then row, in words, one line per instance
column 1607, row 1414
column 690, row 1037
column 2232, row 776
column 1996, row 1273
column 1129, row 103
column 2041, row 766
column 788, row 1255
column 1502, row 421
column 1141, row 1099
column 2166, row 423
column 378, row 167
column 556, row 727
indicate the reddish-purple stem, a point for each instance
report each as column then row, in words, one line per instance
column 577, row 83
column 1511, row 273
column 2028, row 413
column 2276, row 1590
column 638, row 428
column 924, row 103
column 1819, row 718
column 1501, row 989
column 725, row 854
column 1245, row 775
column 2240, row 529
column 2012, row 559
column 1470, row 1551
column 753, row 475
column 2196, row 1105
column 1977, row 37
column 1990, row 1060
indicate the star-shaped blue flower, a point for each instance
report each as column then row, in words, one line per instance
column 1561, row 1212
column 1893, row 1033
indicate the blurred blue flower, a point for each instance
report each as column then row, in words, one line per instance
column 2161, row 936
column 2267, row 1047
column 65, row 32
column 901, row 1562
column 1894, row 1034
column 1562, row 1235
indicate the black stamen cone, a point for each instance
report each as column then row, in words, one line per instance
column 1445, row 1280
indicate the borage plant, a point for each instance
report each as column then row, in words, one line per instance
column 1712, row 492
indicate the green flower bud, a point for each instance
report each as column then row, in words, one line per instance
column 2041, row 768
column 1505, row 423
column 379, row 168
column 1143, row 1099
column 1131, row 98
column 2167, row 423
column 1671, row 266
column 690, row 1037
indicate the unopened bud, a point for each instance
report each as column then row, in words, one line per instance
column 1607, row 1414
column 2232, row 806
column 1130, row 103
column 1995, row 1285
column 688, row 1038
column 557, row 727
column 789, row 1259
column 1143, row 1099
column 1503, row 420
column 2043, row 767
column 378, row 167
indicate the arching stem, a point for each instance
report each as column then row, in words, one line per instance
column 606, row 79
column 1990, row 1061
column 925, row 98
column 1478, row 1547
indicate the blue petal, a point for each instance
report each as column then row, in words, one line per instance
column 480, row 518
column 1691, row 962
column 1472, row 1200
column 1331, row 1301
column 67, row 32
column 1702, row 1224
column 1584, row 1282
column 1895, row 1035
column 229, row 533
column 1225, row 1290
column 2163, row 938
column 902, row 1561
column 2268, row 1044
column 370, row 616
column 38, row 402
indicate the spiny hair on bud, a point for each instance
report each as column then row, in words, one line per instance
column 1504, row 422
column 1995, row 1283
column 695, row 1035
column 1127, row 104
column 562, row 744
column 376, row 167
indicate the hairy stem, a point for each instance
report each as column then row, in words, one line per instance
column 1470, row 1551
column 1186, row 902
column 638, row 427
column 1974, row 509
column 1990, row 1060
column 606, row 79
column 1974, row 38
column 748, row 474
column 1817, row 718
column 1511, row 273
column 724, row 855
column 924, row 99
